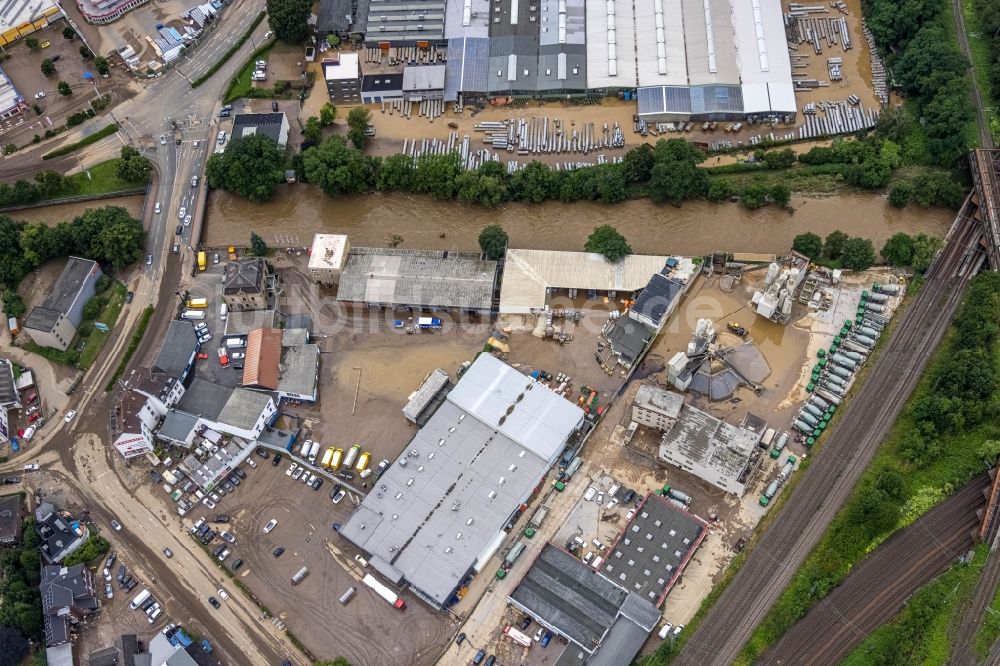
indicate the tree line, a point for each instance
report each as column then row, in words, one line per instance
column 108, row 235
column 925, row 62
column 989, row 26
column 20, row 598
column 841, row 250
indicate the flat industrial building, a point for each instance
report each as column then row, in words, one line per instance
column 651, row 553
column 392, row 277
column 711, row 449
column 436, row 514
column 602, row 620
column 530, row 275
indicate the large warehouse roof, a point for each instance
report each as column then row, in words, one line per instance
column 660, row 36
column 436, row 509
column 654, row 549
column 571, row 598
column 610, row 44
column 418, row 278
column 528, row 273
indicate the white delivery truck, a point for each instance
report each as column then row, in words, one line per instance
column 313, row 452
column 193, row 314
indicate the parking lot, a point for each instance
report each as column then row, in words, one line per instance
column 310, row 610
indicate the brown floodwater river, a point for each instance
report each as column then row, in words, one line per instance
column 697, row 227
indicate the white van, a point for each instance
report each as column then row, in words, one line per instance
column 157, row 209
column 588, row 557
column 140, row 598
column 223, row 311
column 597, row 562
column 665, row 631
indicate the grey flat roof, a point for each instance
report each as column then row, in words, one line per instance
column 629, row 338
column 333, row 16
column 709, row 448
column 423, row 77
column 405, row 20
column 243, row 408
column 62, row 295
column 268, row 124
column 8, row 390
column 379, row 83
column 653, row 550
column 299, row 370
column 659, row 400
column 10, row 519
column 432, row 518
column 609, row 623
column 418, row 278
column 205, row 399
column 177, row 425
column 179, row 344
column 429, row 388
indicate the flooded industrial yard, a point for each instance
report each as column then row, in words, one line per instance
column 697, row 227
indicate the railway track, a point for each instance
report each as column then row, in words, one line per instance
column 879, row 586
column 985, row 138
column 862, row 426
column 963, row 647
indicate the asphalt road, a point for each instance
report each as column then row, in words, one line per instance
column 815, row 501
column 240, row 634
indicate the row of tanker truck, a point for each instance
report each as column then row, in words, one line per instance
column 335, row 458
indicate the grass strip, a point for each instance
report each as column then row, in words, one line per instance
column 82, row 143
column 140, row 330
column 241, row 83
column 109, row 317
column 230, row 53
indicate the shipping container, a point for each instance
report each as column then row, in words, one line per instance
column 300, row 575
column 539, row 516
column 514, row 553
column 347, row 596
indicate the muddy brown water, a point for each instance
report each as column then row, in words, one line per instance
column 299, row 211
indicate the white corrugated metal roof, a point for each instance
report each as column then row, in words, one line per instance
column 610, row 44
column 527, row 274
column 755, row 98
column 760, row 42
column 660, row 40
column 710, row 42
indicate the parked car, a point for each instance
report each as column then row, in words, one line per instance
column 240, row 473
column 525, row 622
column 108, row 591
column 209, row 503
column 278, row 551
column 262, row 452
column 224, row 554
column 149, row 260
column 218, row 550
column 202, row 356
column 128, row 297
column 169, row 553
column 116, row 525
column 233, row 479
column 236, row 565
column 214, row 602
column 221, row 518
column 291, row 469
column 339, row 496
column 317, row 484
column 297, row 473
column 222, row 594
column 69, row 416
column 227, row 536
column 276, row 460
column 270, row 526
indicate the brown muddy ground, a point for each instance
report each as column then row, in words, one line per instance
column 696, row 228
column 53, row 215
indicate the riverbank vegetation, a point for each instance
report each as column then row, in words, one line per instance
column 127, row 173
column 921, row 633
column 839, row 250
column 20, row 598
column 917, row 40
column 947, row 433
column 982, row 26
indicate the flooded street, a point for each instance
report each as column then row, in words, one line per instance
column 698, row 227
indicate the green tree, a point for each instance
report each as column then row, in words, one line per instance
column 15, row 646
column 637, row 163
column 64, row 89
column 858, row 254
column 289, row 19
column 101, row 64
column 493, row 241
column 31, row 43
column 609, row 181
column 333, row 41
column 93, row 308
column 132, row 167
column 754, row 196
column 833, row 247
column 781, row 194
column 808, row 244
column 719, row 191
column 68, row 32
column 94, row 547
column 251, row 166
column 396, row 173
column 534, row 183
column 336, row 168
column 313, row 131
column 109, row 235
column 776, row 159
column 358, row 120
column 898, row 250
column 327, row 114
column 437, row 175
column 85, row 52
column 924, row 249
column 48, row 69
column 900, row 194
column 257, row 245
column 608, row 241
column 13, row 304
